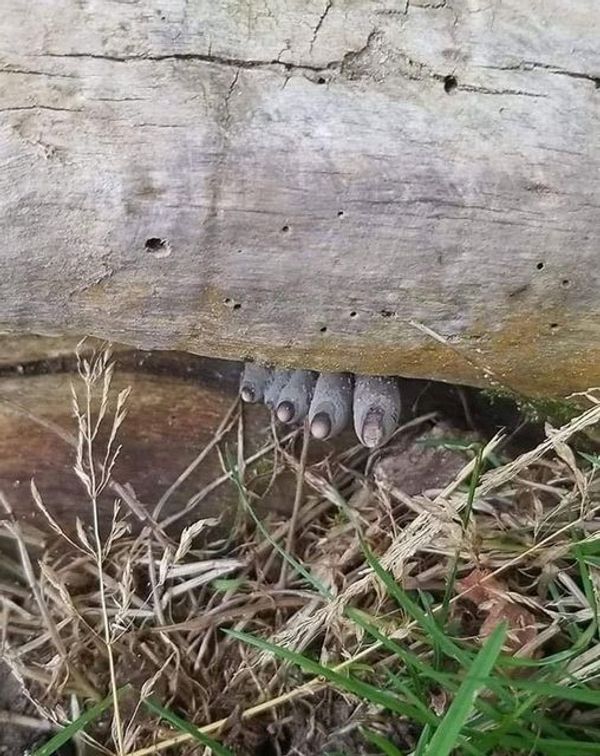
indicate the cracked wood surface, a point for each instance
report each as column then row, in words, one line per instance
column 366, row 185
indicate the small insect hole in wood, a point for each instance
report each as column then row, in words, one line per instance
column 157, row 246
column 450, row 83
column 323, row 329
column 285, row 229
column 540, row 266
column 232, row 304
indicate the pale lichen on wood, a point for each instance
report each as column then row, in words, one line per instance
column 309, row 183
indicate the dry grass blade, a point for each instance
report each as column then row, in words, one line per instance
column 22, row 720
column 85, row 687
column 200, row 496
column 226, row 424
column 289, row 545
column 149, row 608
column 95, row 477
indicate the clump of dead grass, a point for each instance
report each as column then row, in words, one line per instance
column 96, row 606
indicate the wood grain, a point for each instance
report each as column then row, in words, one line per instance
column 175, row 407
column 363, row 185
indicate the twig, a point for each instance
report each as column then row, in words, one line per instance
column 289, row 545
column 201, row 495
column 224, row 428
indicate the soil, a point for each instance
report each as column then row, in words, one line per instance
column 14, row 740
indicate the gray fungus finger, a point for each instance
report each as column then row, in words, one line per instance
column 331, row 406
column 255, row 379
column 329, row 400
column 294, row 400
column 376, row 408
column 274, row 387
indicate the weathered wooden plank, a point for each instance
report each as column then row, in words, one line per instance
column 309, row 182
column 175, row 409
column 169, row 422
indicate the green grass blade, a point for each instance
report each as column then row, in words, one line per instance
column 442, row 617
column 579, row 694
column 554, row 661
column 473, row 483
column 294, row 563
column 587, row 583
column 363, row 690
column 445, row 737
column 524, row 714
column 466, row 516
column 183, row 726
column 418, row 686
column 447, row 681
column 424, row 738
column 425, row 621
column 69, row 731
column 384, row 745
column 449, row 443
column 359, row 688
column 222, row 585
column 593, row 459
column 555, row 747
column 406, row 656
column 593, row 561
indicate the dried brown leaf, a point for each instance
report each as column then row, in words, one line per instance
column 491, row 595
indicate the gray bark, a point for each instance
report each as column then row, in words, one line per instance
column 404, row 188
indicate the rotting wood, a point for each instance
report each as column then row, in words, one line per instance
column 176, row 406
column 171, row 418
column 355, row 185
